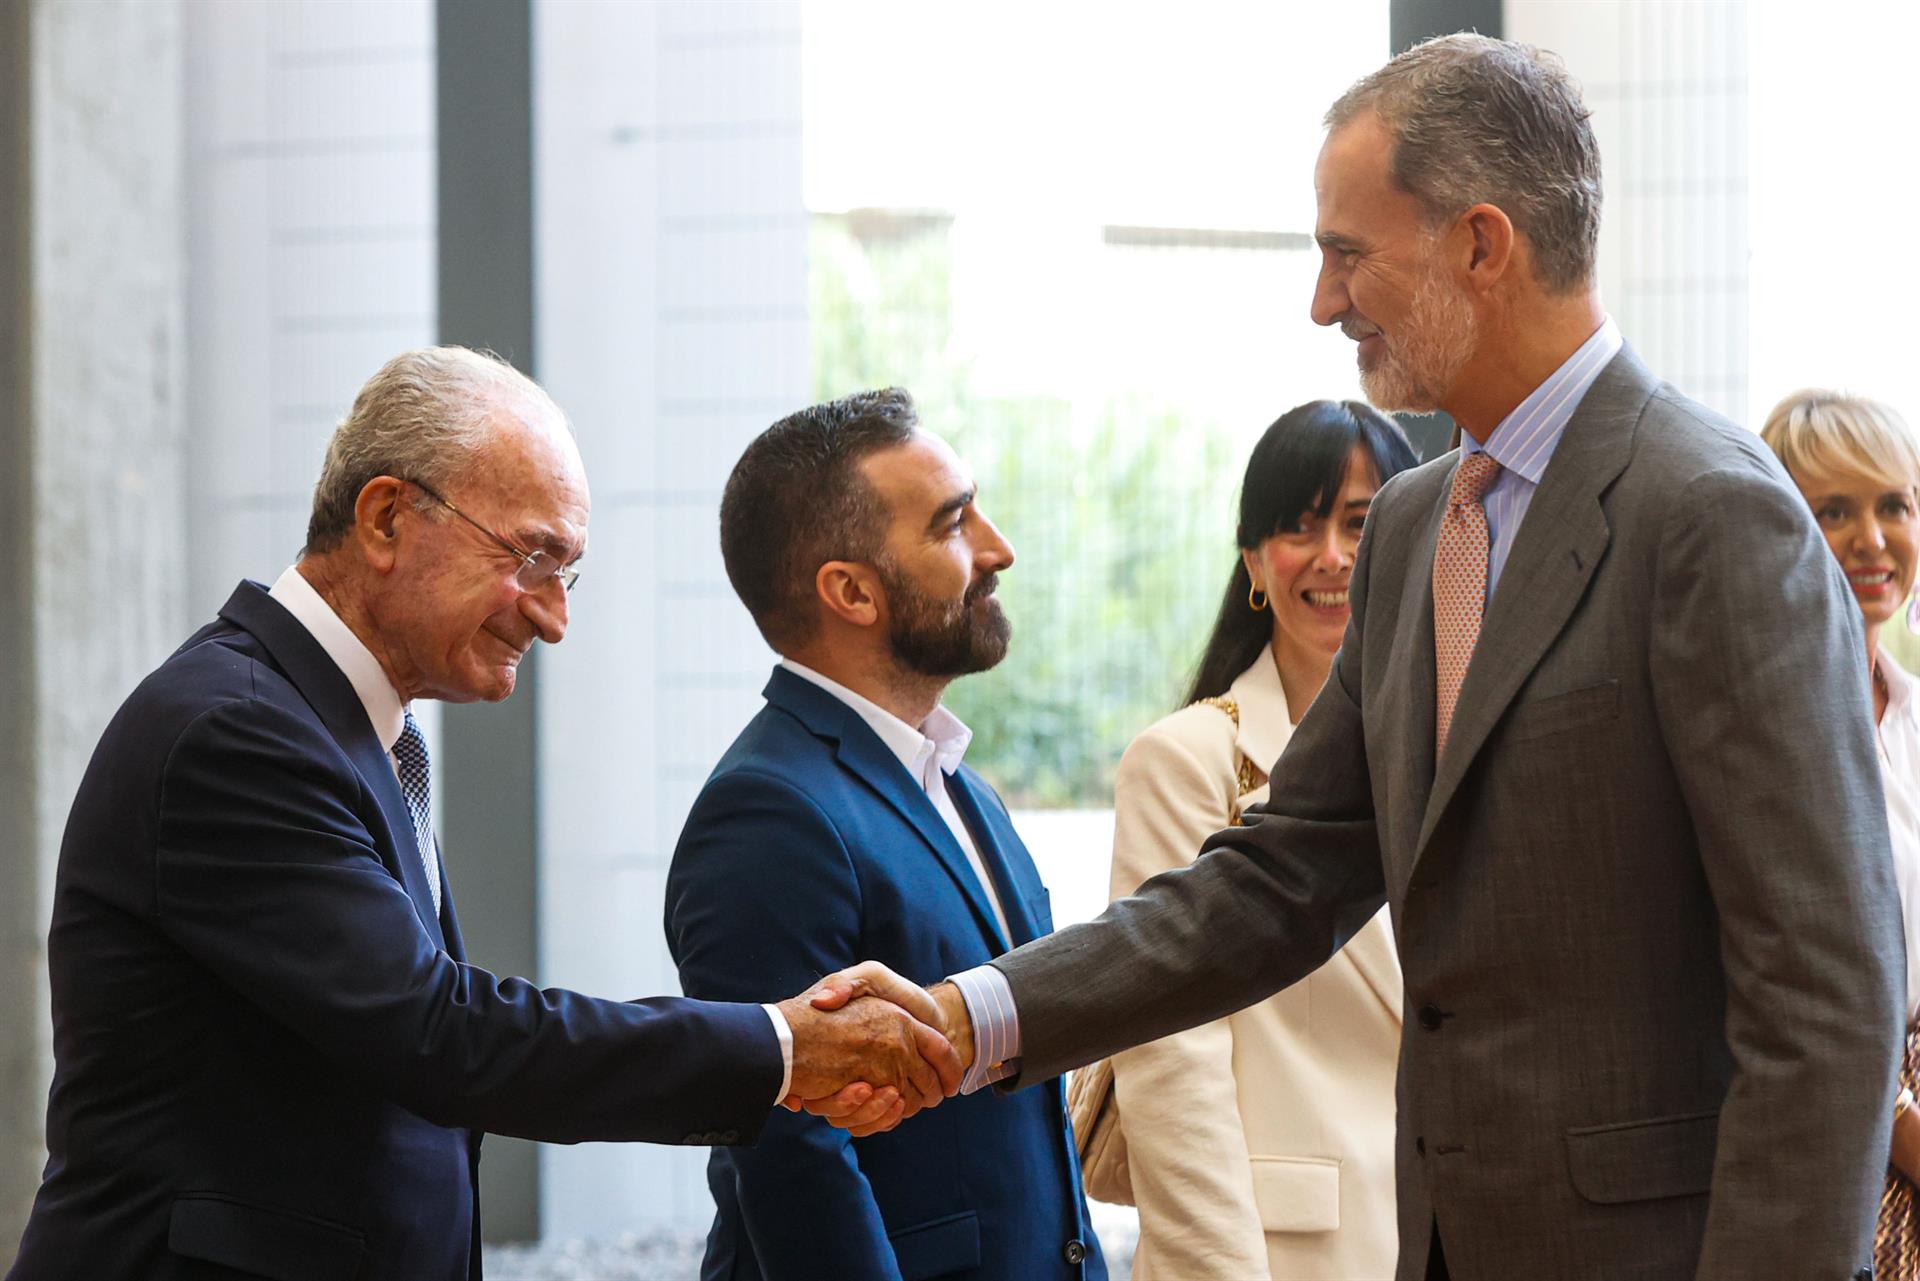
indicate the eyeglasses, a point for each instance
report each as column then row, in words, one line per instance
column 536, row 570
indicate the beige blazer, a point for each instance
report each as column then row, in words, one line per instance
column 1260, row 1145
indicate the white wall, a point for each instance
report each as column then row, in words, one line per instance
column 1835, row 190
column 1667, row 84
column 311, row 221
column 671, row 295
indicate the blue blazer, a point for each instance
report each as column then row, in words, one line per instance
column 809, row 849
column 270, row 1058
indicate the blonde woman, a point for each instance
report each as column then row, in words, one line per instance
column 1858, row 464
column 1261, row 1146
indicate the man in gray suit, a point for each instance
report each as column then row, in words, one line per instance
column 1598, row 734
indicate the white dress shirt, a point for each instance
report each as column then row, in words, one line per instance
column 1522, row 444
column 1900, row 771
column 385, row 712
column 388, row 716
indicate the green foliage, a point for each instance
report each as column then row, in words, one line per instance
column 1120, row 513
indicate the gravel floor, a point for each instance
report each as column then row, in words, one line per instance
column 668, row 1256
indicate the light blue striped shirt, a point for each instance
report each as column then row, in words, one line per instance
column 1521, row 444
column 1526, row 438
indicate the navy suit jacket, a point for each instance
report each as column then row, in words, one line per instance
column 270, row 1058
column 809, row 849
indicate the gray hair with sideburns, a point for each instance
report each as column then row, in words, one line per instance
column 1477, row 120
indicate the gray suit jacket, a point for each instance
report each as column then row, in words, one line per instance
column 1644, row 900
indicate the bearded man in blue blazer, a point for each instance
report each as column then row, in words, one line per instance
column 842, row 824
column 271, row 1055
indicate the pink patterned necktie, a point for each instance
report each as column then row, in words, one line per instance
column 1459, row 585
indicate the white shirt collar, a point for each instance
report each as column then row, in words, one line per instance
column 941, row 739
column 385, row 712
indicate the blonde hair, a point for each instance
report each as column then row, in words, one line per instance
column 1837, row 434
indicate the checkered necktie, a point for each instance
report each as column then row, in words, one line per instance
column 1459, row 585
column 416, row 781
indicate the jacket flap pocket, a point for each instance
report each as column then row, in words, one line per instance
column 1643, row 1160
column 1297, row 1193
column 265, row 1242
column 937, row 1247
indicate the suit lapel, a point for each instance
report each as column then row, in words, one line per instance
column 1561, row 540
column 1400, row 719
column 332, row 697
column 860, row 750
column 456, row 943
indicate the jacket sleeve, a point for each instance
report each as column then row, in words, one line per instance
column 762, row 901
column 1179, row 1102
column 266, row 875
column 1262, row 907
column 1760, row 685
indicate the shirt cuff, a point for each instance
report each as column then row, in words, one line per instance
column 996, row 1027
column 785, row 1033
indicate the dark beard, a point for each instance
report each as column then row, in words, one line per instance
column 945, row 639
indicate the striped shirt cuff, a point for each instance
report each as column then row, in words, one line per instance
column 996, row 1027
column 785, row 1033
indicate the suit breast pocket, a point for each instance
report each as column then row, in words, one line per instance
column 1574, row 709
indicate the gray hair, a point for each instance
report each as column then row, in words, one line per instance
column 425, row 417
column 1478, row 120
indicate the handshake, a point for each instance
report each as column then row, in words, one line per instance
column 871, row 1049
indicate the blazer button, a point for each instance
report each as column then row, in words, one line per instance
column 1864, row 1274
column 1431, row 1017
column 729, row 1136
column 1076, row 1251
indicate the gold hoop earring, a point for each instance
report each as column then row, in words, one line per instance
column 1256, row 599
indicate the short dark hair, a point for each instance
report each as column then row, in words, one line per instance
column 1297, row 467
column 1477, row 119
column 797, row 499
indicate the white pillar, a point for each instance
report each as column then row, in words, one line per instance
column 671, row 292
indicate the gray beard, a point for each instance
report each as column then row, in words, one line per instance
column 1440, row 335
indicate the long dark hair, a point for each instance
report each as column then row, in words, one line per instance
column 1297, row 467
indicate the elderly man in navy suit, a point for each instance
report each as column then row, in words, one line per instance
column 272, row 1058
column 842, row 824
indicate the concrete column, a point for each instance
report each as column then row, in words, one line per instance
column 1408, row 23
column 489, row 802
column 92, row 249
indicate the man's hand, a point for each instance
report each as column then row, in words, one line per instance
column 863, row 1059
column 859, row 1108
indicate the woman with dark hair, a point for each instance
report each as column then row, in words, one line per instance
column 1262, row 1145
